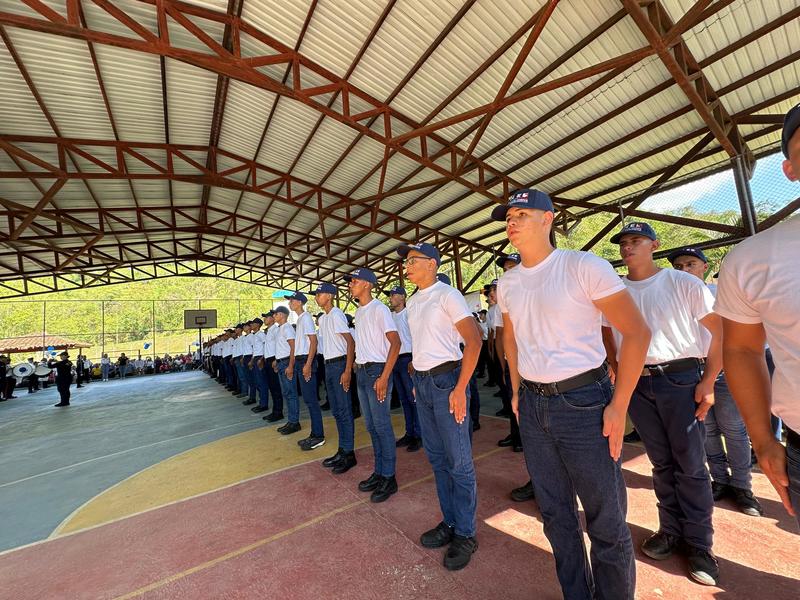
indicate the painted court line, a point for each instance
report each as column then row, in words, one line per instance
column 267, row 540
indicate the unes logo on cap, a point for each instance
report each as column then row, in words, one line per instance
column 635, row 226
column 357, row 272
column 520, row 198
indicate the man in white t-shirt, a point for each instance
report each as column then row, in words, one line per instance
column 439, row 319
column 251, row 349
column 258, row 367
column 241, row 380
column 729, row 463
column 401, row 376
column 305, row 360
column 493, row 318
column 271, row 330
column 338, row 351
column 284, row 367
column 377, row 347
column 570, row 420
column 758, row 301
column 513, row 439
column 673, row 396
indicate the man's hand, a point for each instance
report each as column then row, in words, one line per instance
column 289, row 373
column 458, row 404
column 275, row 365
column 410, row 369
column 614, row 429
column 307, row 371
column 381, row 384
column 515, row 404
column 772, row 460
column 704, row 397
column 260, row 363
column 345, row 380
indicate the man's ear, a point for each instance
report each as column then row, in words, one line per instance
column 788, row 170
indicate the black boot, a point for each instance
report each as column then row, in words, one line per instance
column 347, row 462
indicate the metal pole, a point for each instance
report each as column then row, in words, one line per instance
column 153, row 326
column 102, row 327
column 745, row 194
column 44, row 324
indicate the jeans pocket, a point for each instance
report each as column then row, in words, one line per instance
column 683, row 379
column 588, row 397
column 445, row 382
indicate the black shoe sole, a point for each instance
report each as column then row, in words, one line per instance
column 343, row 467
column 459, row 567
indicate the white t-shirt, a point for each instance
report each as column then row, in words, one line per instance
column 758, row 283
column 270, row 340
column 494, row 316
column 331, row 327
column 432, row 315
column 305, row 327
column 401, row 322
column 672, row 304
column 247, row 344
column 258, row 342
column 557, row 327
column 285, row 333
column 373, row 321
column 237, row 346
column 484, row 330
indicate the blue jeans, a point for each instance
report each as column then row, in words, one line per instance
column 341, row 404
column 262, row 383
column 230, row 371
column 104, row 371
column 309, row 391
column 377, row 418
column 474, row 400
column 123, row 369
column 662, row 409
column 793, row 468
column 252, row 377
column 405, row 389
column 241, row 375
column 449, row 449
column 724, row 420
column 567, row 455
column 289, row 391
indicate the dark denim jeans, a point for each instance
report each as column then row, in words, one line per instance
column 449, row 449
column 793, row 468
column 377, row 418
column 567, row 455
column 262, row 383
column 341, row 406
column 309, row 391
column 729, row 463
column 241, row 375
column 289, row 391
column 252, row 377
column 405, row 389
column 662, row 409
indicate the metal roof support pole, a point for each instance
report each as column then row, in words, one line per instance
column 457, row 266
column 745, row 194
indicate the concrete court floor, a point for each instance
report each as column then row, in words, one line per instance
column 170, row 470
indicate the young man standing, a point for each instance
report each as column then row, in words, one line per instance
column 273, row 379
column 401, row 375
column 439, row 319
column 673, row 396
column 377, row 347
column 338, row 351
column 729, row 463
column 236, row 360
column 284, row 367
column 758, row 301
column 258, row 366
column 570, row 420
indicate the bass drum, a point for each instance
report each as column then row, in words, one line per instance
column 22, row 370
column 42, row 371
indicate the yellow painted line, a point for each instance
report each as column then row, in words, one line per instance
column 267, row 540
column 207, row 468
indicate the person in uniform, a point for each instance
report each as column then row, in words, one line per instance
column 439, row 320
column 305, row 360
column 79, row 370
column 258, row 366
column 236, row 361
column 33, row 378
column 672, row 397
column 247, row 388
column 273, row 380
column 338, row 352
column 284, row 359
column 758, row 301
column 570, row 420
column 63, row 369
column 377, row 347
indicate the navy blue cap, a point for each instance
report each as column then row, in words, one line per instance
column 324, row 288
column 489, row 286
column 363, row 274
column 790, row 125
column 239, row 325
column 268, row 314
column 501, row 261
column 443, row 278
column 257, row 320
column 281, row 309
column 396, row 290
column 298, row 296
column 425, row 248
column 686, row 252
column 525, row 198
column 634, row 228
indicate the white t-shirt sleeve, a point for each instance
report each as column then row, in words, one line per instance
column 455, row 306
column 340, row 323
column 701, row 300
column 597, row 277
column 732, row 301
column 388, row 321
column 288, row 332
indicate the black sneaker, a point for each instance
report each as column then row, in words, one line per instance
column 506, row 441
column 632, row 437
column 370, row 483
column 524, row 493
column 326, row 406
column 290, row 428
column 476, row 426
column 439, row 536
column 746, row 502
column 258, row 409
column 703, row 566
column 272, row 417
column 332, row 461
column 460, row 552
column 347, row 462
column 719, row 490
column 387, row 487
column 517, row 448
column 660, row 545
column 404, row 441
column 248, row 402
column 311, row 442
column 415, row 445
column 502, row 412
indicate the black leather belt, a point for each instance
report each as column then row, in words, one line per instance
column 673, row 366
column 792, row 437
column 299, row 357
column 368, row 364
column 269, row 359
column 566, row 385
column 445, row 367
column 329, row 361
column 404, row 355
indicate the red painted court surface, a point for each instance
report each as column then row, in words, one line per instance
column 303, row 533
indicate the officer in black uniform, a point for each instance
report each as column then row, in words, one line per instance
column 63, row 369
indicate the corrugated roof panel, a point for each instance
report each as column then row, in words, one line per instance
column 291, row 125
column 328, row 143
column 151, row 192
column 246, row 112
column 281, row 20
column 61, row 70
column 190, row 99
column 351, row 170
column 21, row 114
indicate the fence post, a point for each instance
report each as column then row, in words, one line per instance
column 745, row 194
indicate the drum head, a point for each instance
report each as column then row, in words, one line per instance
column 42, row 371
column 22, row 370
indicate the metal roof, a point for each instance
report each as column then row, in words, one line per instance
column 296, row 141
